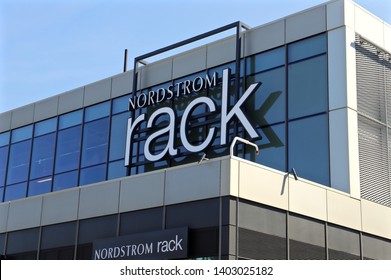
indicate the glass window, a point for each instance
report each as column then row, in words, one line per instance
column 43, row 156
column 121, row 104
column 22, row 133
column 267, row 105
column 93, row 174
column 40, row 186
column 1, row 194
column 19, row 161
column 45, row 127
column 95, row 141
column 117, row 169
column 97, row 111
column 15, row 191
column 307, row 48
column 265, row 60
column 70, row 119
column 65, row 180
column 309, row 148
column 3, row 164
column 118, row 136
column 68, row 149
column 271, row 147
column 4, row 138
column 307, row 87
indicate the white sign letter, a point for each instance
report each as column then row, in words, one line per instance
column 186, row 143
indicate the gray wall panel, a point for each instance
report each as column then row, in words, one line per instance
column 122, row 84
column 71, row 100
column 25, row 213
column 46, row 108
column 264, row 37
column 97, row 92
column 4, row 208
column 22, row 116
column 193, row 182
column 305, row 24
column 5, row 121
column 99, row 200
column 60, row 207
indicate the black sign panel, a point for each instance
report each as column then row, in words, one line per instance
column 156, row 245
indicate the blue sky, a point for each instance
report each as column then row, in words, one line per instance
column 51, row 46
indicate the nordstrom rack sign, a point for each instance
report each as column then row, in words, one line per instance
column 164, row 244
column 173, row 123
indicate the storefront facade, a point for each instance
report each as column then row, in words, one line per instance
column 158, row 162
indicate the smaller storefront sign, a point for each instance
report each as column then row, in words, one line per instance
column 164, row 244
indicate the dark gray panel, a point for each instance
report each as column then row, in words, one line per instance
column 203, row 242
column 306, row 230
column 343, row 243
column 22, row 241
column 141, row 221
column 64, row 253
column 97, row 228
column 262, row 219
column 304, row 251
column 228, row 211
column 376, row 248
column 339, row 255
column 2, row 244
column 198, row 214
column 307, row 238
column 228, row 240
column 256, row 245
column 59, row 235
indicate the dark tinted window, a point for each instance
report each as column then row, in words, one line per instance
column 97, row 111
column 307, row 87
column 308, row 148
column 19, row 162
column 118, row 136
column 21, row 134
column 307, row 48
column 43, row 156
column 3, row 164
column 116, row 169
column 65, row 180
column 45, row 127
column 40, row 186
column 70, row 119
column 93, row 174
column 68, row 149
column 16, row 191
column 266, row 60
column 95, row 141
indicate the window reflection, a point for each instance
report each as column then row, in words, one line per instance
column 40, row 186
column 3, row 164
column 68, row 149
column 43, row 156
column 19, row 162
column 95, row 141
column 93, row 174
column 118, row 136
column 267, row 105
column 65, row 180
column 307, row 92
column 308, row 148
column 16, row 191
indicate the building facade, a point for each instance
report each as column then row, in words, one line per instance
column 145, row 164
